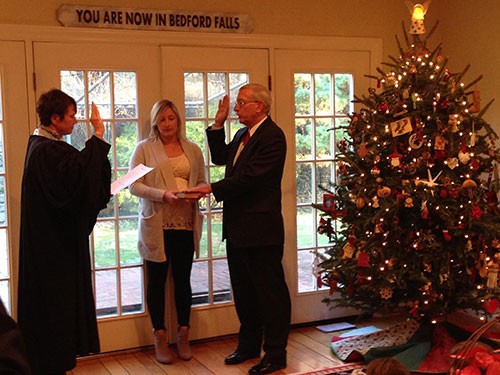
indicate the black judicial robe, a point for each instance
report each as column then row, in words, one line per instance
column 63, row 190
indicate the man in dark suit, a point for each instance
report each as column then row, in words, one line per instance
column 253, row 225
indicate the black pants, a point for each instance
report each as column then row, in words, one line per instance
column 261, row 299
column 179, row 249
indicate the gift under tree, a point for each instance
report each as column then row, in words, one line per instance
column 413, row 216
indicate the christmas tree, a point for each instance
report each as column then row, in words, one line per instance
column 413, row 217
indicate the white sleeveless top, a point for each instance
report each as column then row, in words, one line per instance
column 179, row 215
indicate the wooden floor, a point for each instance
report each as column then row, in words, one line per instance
column 308, row 349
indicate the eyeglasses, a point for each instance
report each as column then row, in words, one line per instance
column 243, row 103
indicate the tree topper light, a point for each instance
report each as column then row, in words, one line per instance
column 417, row 12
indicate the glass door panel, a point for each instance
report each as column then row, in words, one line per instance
column 124, row 89
column 196, row 80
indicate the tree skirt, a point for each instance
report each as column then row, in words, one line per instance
column 346, row 369
column 423, row 349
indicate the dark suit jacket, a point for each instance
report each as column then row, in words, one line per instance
column 251, row 189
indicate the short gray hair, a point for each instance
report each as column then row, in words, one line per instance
column 260, row 93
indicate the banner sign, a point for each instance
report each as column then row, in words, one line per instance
column 152, row 19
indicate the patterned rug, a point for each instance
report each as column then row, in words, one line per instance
column 345, row 369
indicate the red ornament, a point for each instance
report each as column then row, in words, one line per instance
column 443, row 193
column 491, row 306
column 383, row 107
column 363, row 259
column 476, row 212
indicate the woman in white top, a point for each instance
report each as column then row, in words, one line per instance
column 169, row 226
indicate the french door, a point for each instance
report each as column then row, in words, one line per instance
column 315, row 90
column 14, row 133
column 196, row 79
column 124, row 82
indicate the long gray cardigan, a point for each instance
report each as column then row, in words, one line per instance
column 151, row 187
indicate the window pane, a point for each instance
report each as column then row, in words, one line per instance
column 127, row 203
column 125, row 141
column 218, row 247
column 343, row 94
column 105, row 244
column 324, row 138
column 5, row 294
column 4, row 254
column 125, row 95
column 199, row 283
column 305, row 183
column 194, row 95
column 236, row 80
column 303, row 104
column 128, row 242
column 79, row 136
column 204, row 248
column 73, row 84
column 306, row 280
column 131, row 290
column 1, row 106
column 100, row 92
column 303, row 138
column 3, row 202
column 2, row 156
column 323, row 94
column 195, row 132
column 324, row 175
column 106, row 295
column 217, row 88
column 221, row 282
column 109, row 211
column 306, row 229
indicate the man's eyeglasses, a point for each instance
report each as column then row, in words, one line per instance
column 243, row 103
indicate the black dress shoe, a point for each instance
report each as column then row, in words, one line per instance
column 266, row 367
column 239, row 357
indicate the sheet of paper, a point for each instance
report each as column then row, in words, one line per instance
column 335, row 327
column 130, row 177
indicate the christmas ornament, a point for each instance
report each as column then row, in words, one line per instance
column 476, row 102
column 395, row 156
column 493, row 268
column 416, row 141
column 439, row 142
column 386, row 293
column 409, row 202
column 349, row 249
column 363, row 260
column 463, row 155
column 384, row 191
column 375, row 171
column 400, row 127
column 452, row 163
column 431, row 182
column 424, row 210
column 360, row 202
column 363, row 150
column 469, row 185
column 453, row 123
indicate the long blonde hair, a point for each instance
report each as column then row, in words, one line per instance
column 156, row 112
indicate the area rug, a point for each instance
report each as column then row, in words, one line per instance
column 345, row 369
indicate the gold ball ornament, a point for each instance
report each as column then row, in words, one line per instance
column 384, row 191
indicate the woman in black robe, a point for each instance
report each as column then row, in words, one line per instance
column 63, row 190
